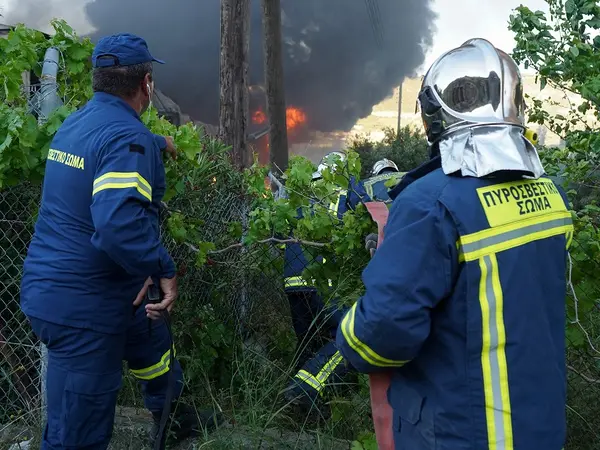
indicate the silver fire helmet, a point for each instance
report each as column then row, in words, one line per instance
column 328, row 161
column 382, row 165
column 473, row 85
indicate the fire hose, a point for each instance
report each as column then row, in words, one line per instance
column 380, row 382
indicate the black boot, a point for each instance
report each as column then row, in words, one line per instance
column 185, row 422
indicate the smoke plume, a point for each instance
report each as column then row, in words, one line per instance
column 342, row 57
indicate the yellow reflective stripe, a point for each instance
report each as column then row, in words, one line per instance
column 494, row 240
column 307, row 378
column 493, row 357
column 299, row 281
column 335, row 205
column 328, row 368
column 362, row 349
column 123, row 180
column 369, row 190
column 318, row 382
column 569, row 239
column 155, row 371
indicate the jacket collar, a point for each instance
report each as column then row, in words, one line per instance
column 415, row 174
column 113, row 100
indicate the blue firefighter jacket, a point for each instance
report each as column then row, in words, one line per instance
column 465, row 303
column 97, row 235
column 295, row 261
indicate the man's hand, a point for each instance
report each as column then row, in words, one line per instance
column 371, row 243
column 171, row 148
column 140, row 297
column 169, row 289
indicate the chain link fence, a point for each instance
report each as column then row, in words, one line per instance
column 20, row 352
column 235, row 341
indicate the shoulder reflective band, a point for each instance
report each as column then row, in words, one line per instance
column 123, row 180
column 493, row 240
column 362, row 349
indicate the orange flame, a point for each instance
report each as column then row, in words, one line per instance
column 259, row 117
column 295, row 117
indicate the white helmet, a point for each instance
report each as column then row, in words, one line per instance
column 328, row 161
column 382, row 165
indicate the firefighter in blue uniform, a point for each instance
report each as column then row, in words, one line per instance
column 95, row 249
column 383, row 171
column 315, row 324
column 465, row 298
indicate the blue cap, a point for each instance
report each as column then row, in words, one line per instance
column 122, row 49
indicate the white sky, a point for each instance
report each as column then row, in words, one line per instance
column 458, row 20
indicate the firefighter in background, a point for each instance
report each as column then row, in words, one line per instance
column 383, row 171
column 315, row 324
column 465, row 298
column 95, row 249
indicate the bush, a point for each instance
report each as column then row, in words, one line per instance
column 408, row 149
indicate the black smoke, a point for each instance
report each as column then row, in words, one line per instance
column 338, row 62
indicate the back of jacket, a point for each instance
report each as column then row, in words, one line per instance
column 97, row 235
column 466, row 298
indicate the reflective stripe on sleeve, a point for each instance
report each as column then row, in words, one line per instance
column 362, row 349
column 318, row 382
column 123, row 180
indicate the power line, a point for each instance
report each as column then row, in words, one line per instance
column 374, row 14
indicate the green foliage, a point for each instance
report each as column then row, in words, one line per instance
column 564, row 49
column 366, row 441
column 408, row 149
column 307, row 215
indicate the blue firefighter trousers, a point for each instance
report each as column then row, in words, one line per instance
column 85, row 374
column 315, row 325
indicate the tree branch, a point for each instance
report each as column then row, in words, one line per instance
column 264, row 241
column 585, row 377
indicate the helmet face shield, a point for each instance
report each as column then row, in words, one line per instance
column 475, row 84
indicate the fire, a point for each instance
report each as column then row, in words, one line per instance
column 259, row 117
column 295, row 117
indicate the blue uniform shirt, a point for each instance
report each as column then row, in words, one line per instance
column 377, row 190
column 465, row 303
column 97, row 235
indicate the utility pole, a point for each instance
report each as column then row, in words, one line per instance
column 276, row 110
column 234, row 100
column 400, row 107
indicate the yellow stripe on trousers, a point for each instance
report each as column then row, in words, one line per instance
column 493, row 357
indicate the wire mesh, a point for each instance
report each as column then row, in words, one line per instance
column 20, row 382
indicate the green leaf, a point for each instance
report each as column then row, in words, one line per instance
column 574, row 51
column 204, row 248
column 575, row 336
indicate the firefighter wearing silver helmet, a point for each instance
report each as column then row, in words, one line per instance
column 464, row 299
column 320, row 365
column 328, row 161
column 382, row 172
